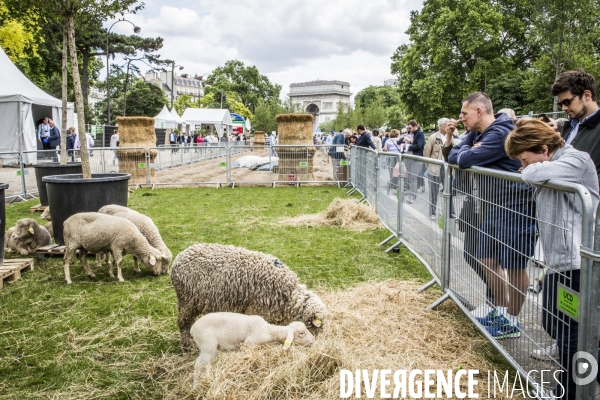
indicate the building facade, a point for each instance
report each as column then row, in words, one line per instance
column 95, row 95
column 320, row 98
column 183, row 84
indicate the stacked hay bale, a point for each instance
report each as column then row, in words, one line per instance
column 295, row 163
column 259, row 138
column 136, row 132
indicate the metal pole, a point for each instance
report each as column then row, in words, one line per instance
column 108, row 77
column 20, row 138
column 172, row 88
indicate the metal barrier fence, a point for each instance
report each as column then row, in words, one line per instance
column 477, row 238
column 189, row 165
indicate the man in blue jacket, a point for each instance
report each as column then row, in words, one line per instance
column 507, row 233
column 417, row 144
column 336, row 151
column 365, row 138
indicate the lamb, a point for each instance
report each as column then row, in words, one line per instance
column 10, row 244
column 211, row 278
column 148, row 229
column 27, row 236
column 227, row 331
column 95, row 232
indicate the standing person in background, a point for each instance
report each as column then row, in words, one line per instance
column 336, row 151
column 43, row 134
column 416, row 147
column 114, row 143
column 544, row 156
column 71, row 143
column 273, row 143
column 173, row 141
column 54, row 138
column 377, row 140
column 392, row 146
column 435, row 173
column 365, row 138
column 507, row 233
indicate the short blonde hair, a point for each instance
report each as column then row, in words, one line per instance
column 394, row 133
column 531, row 135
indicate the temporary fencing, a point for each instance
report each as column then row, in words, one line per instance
column 477, row 238
column 224, row 163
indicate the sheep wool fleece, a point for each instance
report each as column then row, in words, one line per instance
column 217, row 278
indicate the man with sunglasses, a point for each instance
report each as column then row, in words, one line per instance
column 576, row 93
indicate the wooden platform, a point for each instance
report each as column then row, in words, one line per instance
column 11, row 269
column 50, row 250
column 38, row 208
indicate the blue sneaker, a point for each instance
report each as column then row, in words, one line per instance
column 490, row 318
column 503, row 329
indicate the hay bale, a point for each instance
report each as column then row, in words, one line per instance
column 136, row 132
column 259, row 138
column 295, row 130
column 382, row 325
column 344, row 213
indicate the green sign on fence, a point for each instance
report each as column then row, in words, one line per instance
column 18, row 172
column 568, row 301
column 303, row 164
column 223, row 164
column 343, row 162
column 141, row 165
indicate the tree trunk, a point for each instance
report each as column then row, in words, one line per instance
column 65, row 77
column 85, row 161
column 85, row 78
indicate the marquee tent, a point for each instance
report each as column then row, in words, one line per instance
column 212, row 119
column 21, row 104
column 165, row 119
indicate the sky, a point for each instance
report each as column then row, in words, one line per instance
column 289, row 41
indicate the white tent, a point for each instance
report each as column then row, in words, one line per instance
column 217, row 120
column 165, row 119
column 21, row 104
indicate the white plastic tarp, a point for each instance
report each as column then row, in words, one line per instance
column 220, row 118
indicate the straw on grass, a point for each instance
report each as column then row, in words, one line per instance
column 344, row 213
column 381, row 325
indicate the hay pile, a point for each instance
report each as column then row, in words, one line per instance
column 371, row 326
column 295, row 130
column 259, row 138
column 345, row 213
column 136, row 132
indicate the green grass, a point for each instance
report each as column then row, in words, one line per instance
column 94, row 338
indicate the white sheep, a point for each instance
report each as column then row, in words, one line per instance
column 148, row 229
column 96, row 233
column 26, row 237
column 227, row 331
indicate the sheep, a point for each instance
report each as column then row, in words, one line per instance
column 227, row 331
column 148, row 229
column 46, row 214
column 211, row 278
column 10, row 244
column 95, row 232
column 27, row 236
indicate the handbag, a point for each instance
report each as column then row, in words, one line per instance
column 45, row 139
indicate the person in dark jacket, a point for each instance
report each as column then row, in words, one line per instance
column 576, row 93
column 507, row 232
column 71, row 143
column 415, row 168
column 365, row 138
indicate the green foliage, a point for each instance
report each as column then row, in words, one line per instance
column 184, row 101
column 246, row 82
column 453, row 52
column 264, row 115
column 387, row 95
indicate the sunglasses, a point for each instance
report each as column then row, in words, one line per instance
column 566, row 102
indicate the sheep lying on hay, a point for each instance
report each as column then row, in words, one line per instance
column 371, row 326
column 345, row 213
column 212, row 278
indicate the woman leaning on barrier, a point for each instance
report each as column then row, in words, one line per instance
column 544, row 155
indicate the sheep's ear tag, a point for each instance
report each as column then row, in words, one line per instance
column 152, row 260
column 30, row 229
column 317, row 322
column 287, row 343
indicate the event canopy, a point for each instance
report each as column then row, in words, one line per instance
column 176, row 116
column 165, row 119
column 21, row 104
column 217, row 117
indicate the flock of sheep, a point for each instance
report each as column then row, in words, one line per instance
column 239, row 292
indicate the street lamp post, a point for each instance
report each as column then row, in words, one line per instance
column 173, row 80
column 136, row 29
column 484, row 71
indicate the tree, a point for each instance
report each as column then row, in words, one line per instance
column 245, row 81
column 184, row 101
column 388, row 95
column 453, row 52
